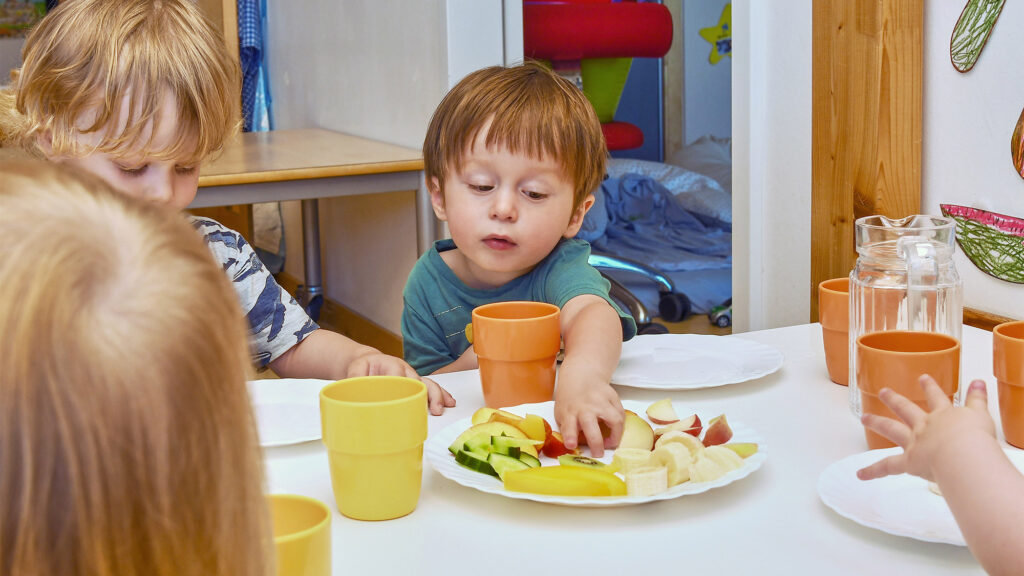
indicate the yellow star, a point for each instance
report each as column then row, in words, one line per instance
column 720, row 36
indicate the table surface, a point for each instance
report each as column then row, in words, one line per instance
column 771, row 522
column 285, row 155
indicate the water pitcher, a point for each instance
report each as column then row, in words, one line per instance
column 904, row 279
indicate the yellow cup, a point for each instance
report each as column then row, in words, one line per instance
column 302, row 535
column 516, row 344
column 374, row 428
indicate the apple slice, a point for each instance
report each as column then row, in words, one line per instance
column 690, row 425
column 482, row 415
column 743, row 449
column 535, row 427
column 636, row 432
column 554, row 446
column 506, row 417
column 717, row 432
column 662, row 412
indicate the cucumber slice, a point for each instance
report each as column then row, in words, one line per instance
column 475, row 462
column 502, row 464
column 479, row 445
column 529, row 459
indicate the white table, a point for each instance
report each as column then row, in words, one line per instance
column 771, row 522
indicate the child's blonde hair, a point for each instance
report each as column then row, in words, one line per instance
column 84, row 58
column 127, row 441
column 531, row 111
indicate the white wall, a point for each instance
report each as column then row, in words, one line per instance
column 706, row 87
column 771, row 107
column 373, row 68
column 968, row 121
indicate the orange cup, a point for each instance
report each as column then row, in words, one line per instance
column 516, row 344
column 1008, row 367
column 896, row 359
column 834, row 316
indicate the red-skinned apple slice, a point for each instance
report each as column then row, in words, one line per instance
column 691, row 425
column 554, row 446
column 717, row 432
column 535, row 427
column 636, row 432
column 662, row 412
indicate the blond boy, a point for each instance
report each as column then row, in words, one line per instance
column 139, row 93
column 512, row 157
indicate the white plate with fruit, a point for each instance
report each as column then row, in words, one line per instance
column 691, row 361
column 902, row 505
column 514, row 452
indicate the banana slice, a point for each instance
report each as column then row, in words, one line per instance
column 646, row 481
column 676, row 458
column 704, row 469
column 691, row 443
column 725, row 457
column 629, row 459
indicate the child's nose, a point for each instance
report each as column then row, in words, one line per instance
column 161, row 189
column 504, row 205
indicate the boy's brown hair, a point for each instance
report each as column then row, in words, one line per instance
column 531, row 111
column 86, row 56
column 127, row 440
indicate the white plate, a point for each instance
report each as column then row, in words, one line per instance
column 287, row 410
column 689, row 361
column 902, row 505
column 441, row 459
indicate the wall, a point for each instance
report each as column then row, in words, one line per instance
column 771, row 115
column 706, row 87
column 373, row 68
column 10, row 57
column 968, row 121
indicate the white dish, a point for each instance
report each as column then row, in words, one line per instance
column 690, row 361
column 441, row 459
column 287, row 410
column 902, row 505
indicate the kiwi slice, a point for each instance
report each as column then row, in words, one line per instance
column 580, row 461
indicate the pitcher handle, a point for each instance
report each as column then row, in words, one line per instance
column 922, row 273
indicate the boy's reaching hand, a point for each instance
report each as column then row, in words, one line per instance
column 580, row 405
column 380, row 364
column 927, row 437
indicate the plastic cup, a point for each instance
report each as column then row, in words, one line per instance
column 374, row 428
column 302, row 535
column 516, row 344
column 834, row 316
column 896, row 359
column 1008, row 367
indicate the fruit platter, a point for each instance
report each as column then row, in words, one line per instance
column 666, row 452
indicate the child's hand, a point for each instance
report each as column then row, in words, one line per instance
column 379, row 364
column 928, row 436
column 579, row 406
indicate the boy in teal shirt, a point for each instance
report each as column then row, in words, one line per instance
column 512, row 156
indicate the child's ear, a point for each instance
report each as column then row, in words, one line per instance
column 437, row 198
column 44, row 140
column 576, row 222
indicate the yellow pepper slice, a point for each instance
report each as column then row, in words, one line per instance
column 565, row 481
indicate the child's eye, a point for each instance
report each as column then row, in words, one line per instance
column 481, row 187
column 137, row 171
column 185, row 170
column 534, row 195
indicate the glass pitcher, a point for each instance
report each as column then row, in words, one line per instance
column 904, row 279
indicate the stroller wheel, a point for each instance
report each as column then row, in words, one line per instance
column 652, row 328
column 673, row 306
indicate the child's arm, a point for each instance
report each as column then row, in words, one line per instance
column 329, row 355
column 957, row 448
column 467, row 361
column 592, row 334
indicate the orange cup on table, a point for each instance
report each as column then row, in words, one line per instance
column 834, row 316
column 516, row 344
column 1008, row 367
column 374, row 428
column 302, row 535
column 896, row 359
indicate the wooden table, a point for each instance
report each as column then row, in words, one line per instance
column 772, row 522
column 309, row 164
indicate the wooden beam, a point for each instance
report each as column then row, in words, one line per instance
column 866, row 128
column 224, row 16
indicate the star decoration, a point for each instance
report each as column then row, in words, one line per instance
column 720, row 36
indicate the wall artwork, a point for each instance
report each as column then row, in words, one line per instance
column 17, row 16
column 993, row 242
column 972, row 31
column 720, row 36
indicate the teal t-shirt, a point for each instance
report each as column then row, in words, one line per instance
column 438, row 305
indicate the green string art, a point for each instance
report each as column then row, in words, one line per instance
column 993, row 242
column 972, row 31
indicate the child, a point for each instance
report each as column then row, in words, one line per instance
column 511, row 158
column 127, row 442
column 139, row 93
column 957, row 449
